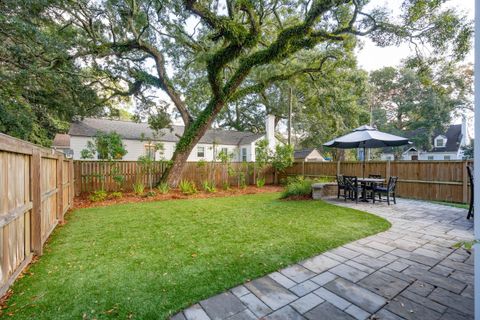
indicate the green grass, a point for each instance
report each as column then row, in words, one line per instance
column 149, row 260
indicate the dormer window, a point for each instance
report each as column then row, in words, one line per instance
column 440, row 142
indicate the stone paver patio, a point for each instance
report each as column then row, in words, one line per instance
column 407, row 272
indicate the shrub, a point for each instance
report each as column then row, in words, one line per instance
column 226, row 186
column 187, row 187
column 260, row 182
column 163, row 187
column 97, row 196
column 138, row 188
column 298, row 187
column 150, row 194
column 115, row 195
column 208, row 186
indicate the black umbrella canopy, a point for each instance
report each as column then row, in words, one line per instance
column 367, row 137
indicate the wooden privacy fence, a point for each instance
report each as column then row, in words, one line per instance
column 36, row 189
column 426, row 180
column 95, row 175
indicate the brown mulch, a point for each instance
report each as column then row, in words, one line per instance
column 82, row 201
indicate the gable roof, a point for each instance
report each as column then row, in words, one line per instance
column 453, row 135
column 89, row 127
column 304, row 153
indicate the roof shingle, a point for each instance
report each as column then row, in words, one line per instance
column 89, row 127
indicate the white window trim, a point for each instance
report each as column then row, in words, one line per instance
column 443, row 139
column 198, row 151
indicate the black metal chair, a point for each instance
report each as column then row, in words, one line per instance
column 369, row 186
column 470, row 178
column 341, row 186
column 352, row 189
column 389, row 190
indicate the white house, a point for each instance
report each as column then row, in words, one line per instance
column 445, row 146
column 140, row 140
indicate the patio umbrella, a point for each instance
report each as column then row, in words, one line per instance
column 366, row 137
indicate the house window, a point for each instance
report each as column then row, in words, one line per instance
column 440, row 142
column 200, row 152
column 446, row 157
column 150, row 151
column 430, row 158
column 244, row 154
column 224, row 150
column 388, row 158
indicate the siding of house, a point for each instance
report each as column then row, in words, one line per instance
column 136, row 148
column 424, row 156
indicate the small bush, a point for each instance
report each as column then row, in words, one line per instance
column 187, row 187
column 138, row 188
column 226, row 186
column 150, row 194
column 97, row 196
column 209, row 186
column 260, row 182
column 298, row 187
column 163, row 187
column 115, row 195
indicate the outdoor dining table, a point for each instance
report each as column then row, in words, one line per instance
column 364, row 182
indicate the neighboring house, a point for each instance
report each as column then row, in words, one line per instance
column 62, row 143
column 308, row 155
column 139, row 140
column 445, row 146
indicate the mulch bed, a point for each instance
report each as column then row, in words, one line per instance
column 82, row 201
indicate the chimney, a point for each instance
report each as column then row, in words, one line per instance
column 270, row 131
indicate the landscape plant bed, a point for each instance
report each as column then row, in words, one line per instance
column 149, row 260
column 83, row 200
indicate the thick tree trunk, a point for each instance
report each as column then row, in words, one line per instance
column 191, row 136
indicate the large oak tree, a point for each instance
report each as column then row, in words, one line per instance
column 233, row 48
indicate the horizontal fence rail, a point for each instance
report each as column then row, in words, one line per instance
column 36, row 189
column 91, row 175
column 425, row 180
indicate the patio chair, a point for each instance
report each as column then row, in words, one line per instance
column 352, row 189
column 470, row 177
column 369, row 186
column 341, row 185
column 389, row 190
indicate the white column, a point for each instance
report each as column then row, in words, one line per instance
column 477, row 159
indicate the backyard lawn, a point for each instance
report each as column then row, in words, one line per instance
column 150, row 260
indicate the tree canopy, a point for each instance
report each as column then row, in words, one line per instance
column 409, row 99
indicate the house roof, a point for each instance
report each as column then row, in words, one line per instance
column 453, row 135
column 89, row 127
column 302, row 154
column 61, row 140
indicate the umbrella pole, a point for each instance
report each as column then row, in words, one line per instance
column 364, row 156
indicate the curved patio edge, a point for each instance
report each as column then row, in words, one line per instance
column 407, row 272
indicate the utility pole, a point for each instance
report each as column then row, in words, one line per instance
column 290, row 107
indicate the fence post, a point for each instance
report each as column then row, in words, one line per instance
column 36, row 218
column 60, row 189
column 71, row 179
column 338, row 167
column 303, row 168
column 465, row 182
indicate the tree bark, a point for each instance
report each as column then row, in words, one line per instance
column 191, row 136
